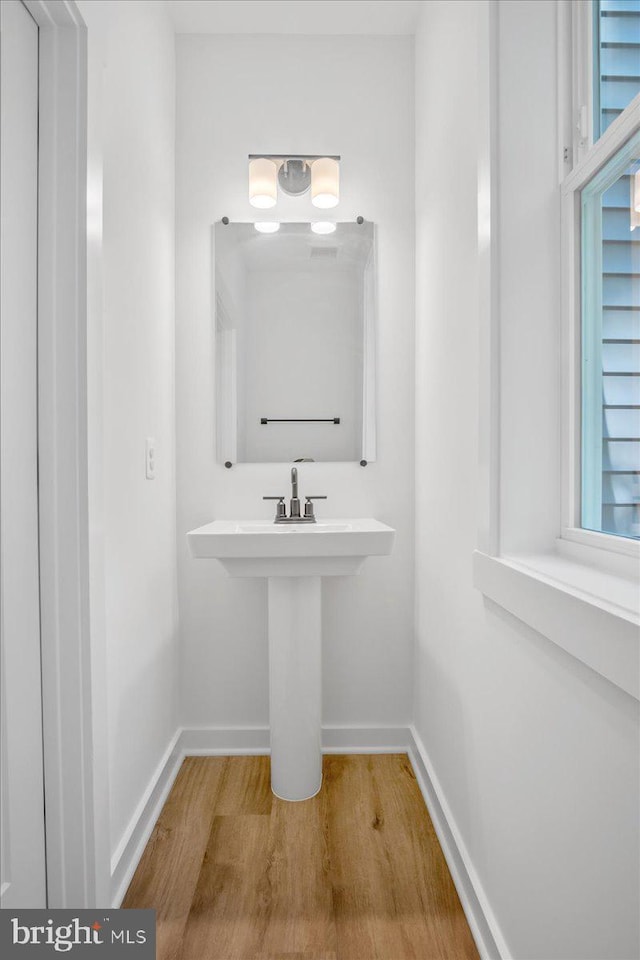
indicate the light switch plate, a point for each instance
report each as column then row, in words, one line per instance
column 150, row 458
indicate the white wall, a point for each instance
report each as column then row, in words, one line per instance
column 536, row 754
column 352, row 96
column 131, row 395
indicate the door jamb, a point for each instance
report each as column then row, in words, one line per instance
column 75, row 759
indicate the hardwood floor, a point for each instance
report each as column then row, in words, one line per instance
column 356, row 873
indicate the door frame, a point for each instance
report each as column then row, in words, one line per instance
column 74, row 729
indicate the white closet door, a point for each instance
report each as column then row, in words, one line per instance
column 23, row 875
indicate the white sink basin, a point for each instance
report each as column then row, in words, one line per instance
column 265, row 549
column 318, row 527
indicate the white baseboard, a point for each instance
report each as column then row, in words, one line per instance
column 366, row 739
column 224, row 741
column 484, row 926
column 131, row 847
column 238, row 741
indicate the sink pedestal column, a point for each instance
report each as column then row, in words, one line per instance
column 295, row 686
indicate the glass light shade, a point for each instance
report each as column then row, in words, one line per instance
column 325, row 182
column 323, row 226
column 263, row 183
column 267, row 226
column 635, row 201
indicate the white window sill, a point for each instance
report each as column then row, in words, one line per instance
column 593, row 615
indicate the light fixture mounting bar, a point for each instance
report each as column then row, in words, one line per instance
column 293, row 156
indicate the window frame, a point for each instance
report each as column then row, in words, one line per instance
column 590, row 158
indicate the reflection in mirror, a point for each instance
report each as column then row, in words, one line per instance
column 295, row 343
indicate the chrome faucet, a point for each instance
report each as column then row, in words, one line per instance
column 294, row 504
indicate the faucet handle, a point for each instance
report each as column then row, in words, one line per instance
column 308, row 507
column 281, row 510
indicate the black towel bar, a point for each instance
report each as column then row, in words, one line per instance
column 300, row 420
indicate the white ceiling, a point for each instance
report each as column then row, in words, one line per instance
column 319, row 17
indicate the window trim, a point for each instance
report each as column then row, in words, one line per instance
column 582, row 104
column 555, row 598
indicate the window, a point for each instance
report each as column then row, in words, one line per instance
column 616, row 59
column 604, row 191
column 611, row 347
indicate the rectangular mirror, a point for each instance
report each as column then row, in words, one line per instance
column 295, row 343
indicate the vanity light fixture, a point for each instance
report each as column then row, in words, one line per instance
column 325, row 182
column 263, row 187
column 635, row 200
column 323, row 226
column 267, row 226
column 295, row 175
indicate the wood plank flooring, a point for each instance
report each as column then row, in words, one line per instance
column 356, row 873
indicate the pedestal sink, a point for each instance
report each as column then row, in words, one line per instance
column 293, row 557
